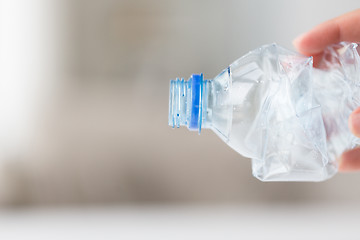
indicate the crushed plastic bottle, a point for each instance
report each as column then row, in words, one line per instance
column 272, row 106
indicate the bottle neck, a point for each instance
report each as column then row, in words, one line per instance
column 188, row 103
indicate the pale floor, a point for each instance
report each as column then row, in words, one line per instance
column 182, row 222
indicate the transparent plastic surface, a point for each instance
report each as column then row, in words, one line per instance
column 272, row 106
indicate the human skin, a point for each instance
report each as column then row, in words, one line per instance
column 312, row 43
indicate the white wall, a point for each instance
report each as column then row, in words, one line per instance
column 104, row 138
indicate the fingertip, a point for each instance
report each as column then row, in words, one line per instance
column 343, row 165
column 297, row 42
column 350, row 161
column 307, row 44
column 354, row 122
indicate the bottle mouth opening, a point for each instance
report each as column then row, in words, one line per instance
column 185, row 102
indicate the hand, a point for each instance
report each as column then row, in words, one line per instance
column 312, row 43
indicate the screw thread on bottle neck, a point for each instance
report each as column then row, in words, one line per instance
column 186, row 102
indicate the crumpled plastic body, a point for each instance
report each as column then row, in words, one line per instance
column 291, row 118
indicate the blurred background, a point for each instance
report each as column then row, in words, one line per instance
column 83, row 121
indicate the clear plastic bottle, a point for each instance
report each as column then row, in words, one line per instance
column 272, row 106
